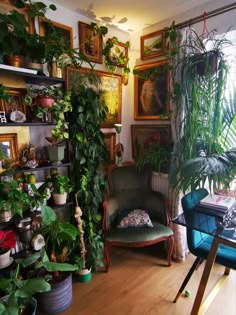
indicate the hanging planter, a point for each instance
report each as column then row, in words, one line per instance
column 206, row 63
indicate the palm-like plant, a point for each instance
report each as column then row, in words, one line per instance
column 205, row 150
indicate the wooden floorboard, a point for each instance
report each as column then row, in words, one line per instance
column 140, row 283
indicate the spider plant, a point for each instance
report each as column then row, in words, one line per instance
column 204, row 153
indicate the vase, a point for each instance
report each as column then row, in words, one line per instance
column 58, row 299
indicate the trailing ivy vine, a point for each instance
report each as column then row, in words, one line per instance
column 89, row 152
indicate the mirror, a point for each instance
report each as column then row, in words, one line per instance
column 8, row 146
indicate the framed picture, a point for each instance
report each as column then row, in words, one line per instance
column 9, row 145
column 110, row 141
column 17, row 102
column 118, row 54
column 109, row 87
column 143, row 134
column 7, row 6
column 90, row 44
column 152, row 45
column 66, row 31
column 151, row 91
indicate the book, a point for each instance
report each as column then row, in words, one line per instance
column 212, row 212
column 218, row 202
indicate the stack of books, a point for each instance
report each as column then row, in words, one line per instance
column 216, row 205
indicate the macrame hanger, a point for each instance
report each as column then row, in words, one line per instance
column 205, row 30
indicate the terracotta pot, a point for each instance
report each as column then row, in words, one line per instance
column 45, row 101
column 15, row 61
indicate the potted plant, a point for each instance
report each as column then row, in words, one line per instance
column 87, row 141
column 199, row 156
column 52, row 261
column 13, row 200
column 157, row 154
column 13, row 37
column 61, row 186
column 7, row 241
column 19, row 298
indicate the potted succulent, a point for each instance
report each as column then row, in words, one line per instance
column 19, row 298
column 7, row 241
column 61, row 186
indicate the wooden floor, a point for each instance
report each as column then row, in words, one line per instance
column 139, row 283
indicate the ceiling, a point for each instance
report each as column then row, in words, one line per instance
column 130, row 15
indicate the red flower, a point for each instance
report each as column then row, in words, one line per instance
column 7, row 239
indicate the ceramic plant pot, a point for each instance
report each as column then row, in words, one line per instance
column 45, row 101
column 58, row 299
column 5, row 259
column 59, row 199
column 84, row 275
column 56, row 154
column 15, row 61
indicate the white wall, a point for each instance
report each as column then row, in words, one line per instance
column 221, row 22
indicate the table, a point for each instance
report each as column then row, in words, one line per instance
column 224, row 232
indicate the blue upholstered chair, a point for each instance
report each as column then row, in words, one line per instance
column 130, row 189
column 199, row 243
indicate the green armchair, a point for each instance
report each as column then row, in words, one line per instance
column 130, row 190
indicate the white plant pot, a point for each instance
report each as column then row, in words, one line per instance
column 160, row 182
column 5, row 259
column 59, row 199
column 56, row 154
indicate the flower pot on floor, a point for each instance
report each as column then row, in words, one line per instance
column 84, row 275
column 58, row 299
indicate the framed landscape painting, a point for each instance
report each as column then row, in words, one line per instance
column 152, row 45
column 109, row 87
column 151, row 91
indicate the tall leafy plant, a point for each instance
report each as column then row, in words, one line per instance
column 89, row 152
column 199, row 79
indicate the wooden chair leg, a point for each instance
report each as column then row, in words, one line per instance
column 227, row 271
column 107, row 247
column 170, row 243
column 187, row 278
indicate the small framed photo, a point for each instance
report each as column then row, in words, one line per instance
column 152, row 45
column 16, row 104
column 89, row 43
column 65, row 30
column 110, row 141
column 118, row 54
column 142, row 134
column 151, row 91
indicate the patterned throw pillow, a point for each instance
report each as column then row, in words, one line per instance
column 136, row 218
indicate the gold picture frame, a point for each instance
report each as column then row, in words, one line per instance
column 152, row 45
column 141, row 134
column 110, row 142
column 151, row 91
column 90, row 44
column 66, row 31
column 17, row 101
column 108, row 85
column 9, row 145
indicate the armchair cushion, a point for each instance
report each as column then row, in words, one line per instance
column 135, row 218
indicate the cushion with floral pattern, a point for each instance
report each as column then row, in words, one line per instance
column 136, row 218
